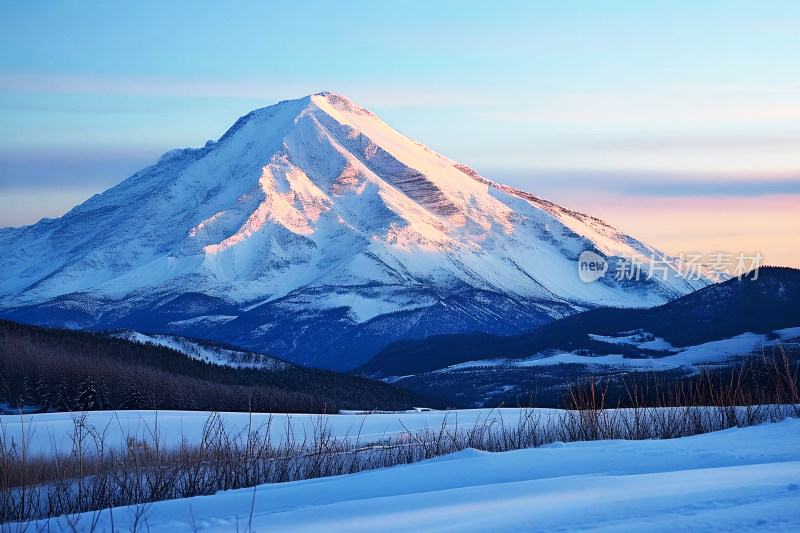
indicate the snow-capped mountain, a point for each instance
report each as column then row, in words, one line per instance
column 313, row 231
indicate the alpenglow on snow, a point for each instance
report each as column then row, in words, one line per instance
column 315, row 232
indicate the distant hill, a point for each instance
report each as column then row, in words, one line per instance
column 724, row 310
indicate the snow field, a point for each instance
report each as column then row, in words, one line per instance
column 734, row 480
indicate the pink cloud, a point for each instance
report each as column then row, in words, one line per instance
column 768, row 224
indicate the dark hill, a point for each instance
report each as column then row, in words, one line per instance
column 76, row 370
column 770, row 301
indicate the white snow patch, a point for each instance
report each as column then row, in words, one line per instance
column 206, row 351
column 714, row 352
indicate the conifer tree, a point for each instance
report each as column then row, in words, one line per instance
column 86, row 399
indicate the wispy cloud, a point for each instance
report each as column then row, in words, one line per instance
column 83, row 169
column 782, row 87
column 27, row 205
column 689, row 142
column 18, row 82
column 648, row 109
column 364, row 91
column 646, row 182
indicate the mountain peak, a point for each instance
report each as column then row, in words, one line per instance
column 309, row 208
column 340, row 103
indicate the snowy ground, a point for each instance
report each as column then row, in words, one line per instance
column 45, row 432
column 734, row 480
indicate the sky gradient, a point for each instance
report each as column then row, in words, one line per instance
column 677, row 122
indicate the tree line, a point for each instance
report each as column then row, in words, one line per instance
column 63, row 370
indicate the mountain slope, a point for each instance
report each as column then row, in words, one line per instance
column 314, row 231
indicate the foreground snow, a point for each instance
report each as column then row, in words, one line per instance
column 733, row 480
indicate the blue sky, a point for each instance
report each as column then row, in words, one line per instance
column 608, row 107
